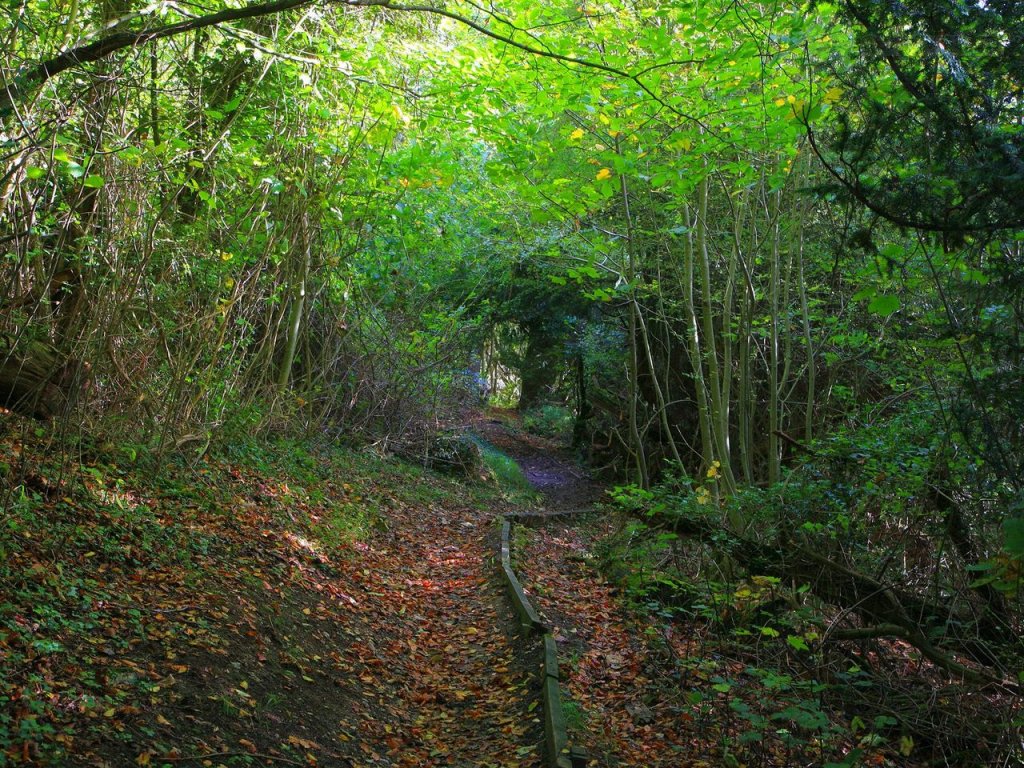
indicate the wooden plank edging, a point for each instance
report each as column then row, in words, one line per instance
column 556, row 737
column 528, row 615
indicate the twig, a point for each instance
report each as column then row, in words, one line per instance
column 257, row 755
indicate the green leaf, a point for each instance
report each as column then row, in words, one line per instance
column 884, row 305
column 797, row 642
column 93, row 181
column 864, row 293
column 1013, row 536
column 34, row 172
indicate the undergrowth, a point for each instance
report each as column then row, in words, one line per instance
column 548, row 421
column 760, row 670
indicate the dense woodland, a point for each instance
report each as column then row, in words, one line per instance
column 762, row 264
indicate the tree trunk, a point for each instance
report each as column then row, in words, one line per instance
column 297, row 307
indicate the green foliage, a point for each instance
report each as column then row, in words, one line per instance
column 866, row 497
column 341, row 221
column 548, row 420
column 928, row 131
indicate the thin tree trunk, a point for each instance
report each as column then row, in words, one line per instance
column 805, row 313
column 636, row 438
column 719, row 429
column 774, row 458
column 298, row 304
column 694, row 346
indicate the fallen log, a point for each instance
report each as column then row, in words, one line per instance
column 935, row 628
column 36, row 380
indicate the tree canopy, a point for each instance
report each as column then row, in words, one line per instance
column 766, row 261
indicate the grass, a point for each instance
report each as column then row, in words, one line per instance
column 574, row 715
column 506, row 472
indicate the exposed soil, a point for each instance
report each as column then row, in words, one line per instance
column 615, row 702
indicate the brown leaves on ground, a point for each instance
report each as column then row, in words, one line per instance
column 617, row 706
column 232, row 611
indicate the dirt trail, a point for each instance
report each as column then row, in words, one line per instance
column 459, row 690
column 455, row 684
column 613, row 668
column 223, row 628
column 547, row 464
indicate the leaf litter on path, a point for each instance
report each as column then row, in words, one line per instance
column 614, row 702
column 207, row 616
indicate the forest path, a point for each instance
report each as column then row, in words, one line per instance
column 550, row 467
column 621, row 696
column 458, row 685
column 267, row 608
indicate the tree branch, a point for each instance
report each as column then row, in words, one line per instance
column 929, row 651
column 33, row 77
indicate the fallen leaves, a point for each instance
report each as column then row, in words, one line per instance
column 605, row 664
column 209, row 615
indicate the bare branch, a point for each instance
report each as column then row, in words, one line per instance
column 29, row 80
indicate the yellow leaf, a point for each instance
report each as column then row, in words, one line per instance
column 110, row 712
column 225, row 256
column 780, row 102
column 604, row 119
column 144, row 758
column 712, row 471
column 399, row 114
column 906, row 745
column 832, row 95
column 577, row 134
column 604, row 173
